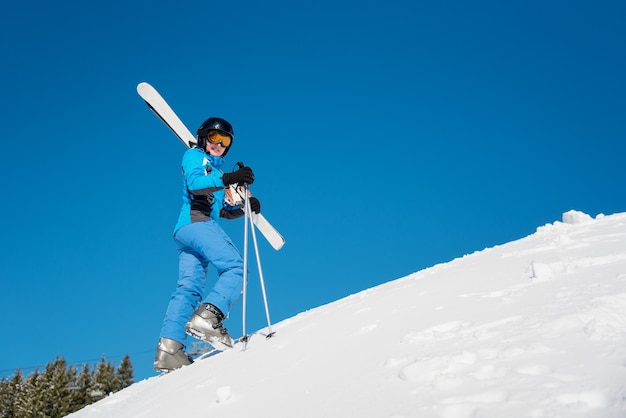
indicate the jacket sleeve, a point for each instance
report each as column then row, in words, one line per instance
column 197, row 172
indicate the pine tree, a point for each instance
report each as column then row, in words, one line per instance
column 124, row 374
column 81, row 389
column 28, row 401
column 6, row 401
column 103, row 379
column 9, row 390
column 54, row 385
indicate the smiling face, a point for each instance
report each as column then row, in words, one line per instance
column 216, row 150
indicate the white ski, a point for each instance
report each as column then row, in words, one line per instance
column 160, row 107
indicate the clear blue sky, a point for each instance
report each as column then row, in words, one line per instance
column 385, row 136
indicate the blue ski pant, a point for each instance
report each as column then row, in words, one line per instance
column 200, row 244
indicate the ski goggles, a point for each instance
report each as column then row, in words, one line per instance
column 218, row 138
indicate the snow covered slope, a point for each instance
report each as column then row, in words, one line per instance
column 532, row 328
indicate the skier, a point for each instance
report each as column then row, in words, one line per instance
column 200, row 241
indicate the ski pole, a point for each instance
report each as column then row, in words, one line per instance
column 246, row 210
column 247, row 221
column 258, row 261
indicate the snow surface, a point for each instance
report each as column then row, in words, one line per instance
column 533, row 328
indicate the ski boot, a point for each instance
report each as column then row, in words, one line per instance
column 206, row 325
column 170, row 356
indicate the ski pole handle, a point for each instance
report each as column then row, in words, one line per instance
column 240, row 164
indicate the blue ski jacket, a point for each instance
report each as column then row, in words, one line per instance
column 203, row 190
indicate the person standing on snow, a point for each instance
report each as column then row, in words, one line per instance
column 200, row 241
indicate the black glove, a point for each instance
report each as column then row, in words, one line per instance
column 255, row 205
column 242, row 176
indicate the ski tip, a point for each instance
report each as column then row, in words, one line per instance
column 143, row 86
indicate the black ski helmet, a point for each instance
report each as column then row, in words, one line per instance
column 215, row 125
